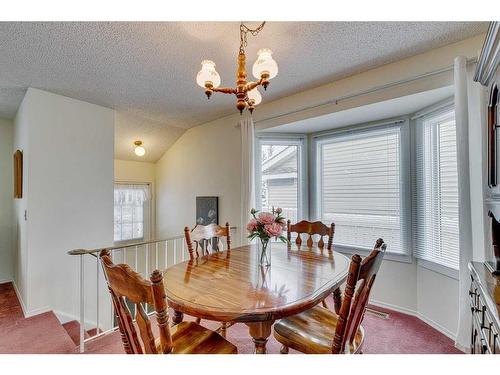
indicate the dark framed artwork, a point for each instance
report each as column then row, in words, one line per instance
column 18, row 174
column 207, row 210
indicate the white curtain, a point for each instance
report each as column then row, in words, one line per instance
column 464, row 210
column 131, row 194
column 247, row 174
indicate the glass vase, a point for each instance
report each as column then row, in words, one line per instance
column 264, row 252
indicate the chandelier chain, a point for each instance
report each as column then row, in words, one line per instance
column 244, row 30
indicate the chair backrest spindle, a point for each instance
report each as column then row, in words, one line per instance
column 311, row 228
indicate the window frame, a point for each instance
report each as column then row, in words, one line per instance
column 436, row 111
column 147, row 214
column 403, row 123
column 301, row 141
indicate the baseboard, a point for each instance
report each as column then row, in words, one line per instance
column 4, row 281
column 389, row 306
column 418, row 315
column 437, row 326
column 28, row 313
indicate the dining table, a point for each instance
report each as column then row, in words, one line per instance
column 231, row 286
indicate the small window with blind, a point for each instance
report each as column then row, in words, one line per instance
column 361, row 186
column 436, row 190
column 131, row 212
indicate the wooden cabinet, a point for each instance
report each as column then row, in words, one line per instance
column 485, row 308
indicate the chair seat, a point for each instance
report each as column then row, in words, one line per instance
column 192, row 338
column 312, row 332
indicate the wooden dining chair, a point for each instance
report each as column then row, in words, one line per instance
column 127, row 287
column 199, row 239
column 321, row 331
column 311, row 229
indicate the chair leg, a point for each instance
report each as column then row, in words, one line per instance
column 324, row 304
column 223, row 329
column 284, row 349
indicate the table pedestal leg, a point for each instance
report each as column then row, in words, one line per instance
column 260, row 332
column 178, row 316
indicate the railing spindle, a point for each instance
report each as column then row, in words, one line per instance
column 136, row 268
column 175, row 251
column 147, row 273
column 82, row 304
column 156, row 256
column 97, row 295
column 166, row 254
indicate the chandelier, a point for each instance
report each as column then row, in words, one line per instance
column 247, row 95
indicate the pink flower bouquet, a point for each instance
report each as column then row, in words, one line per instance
column 265, row 225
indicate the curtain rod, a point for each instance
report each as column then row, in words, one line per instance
column 369, row 91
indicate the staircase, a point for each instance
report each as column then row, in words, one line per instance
column 40, row 334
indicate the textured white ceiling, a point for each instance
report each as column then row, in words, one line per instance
column 146, row 71
column 155, row 136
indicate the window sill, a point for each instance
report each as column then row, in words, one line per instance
column 395, row 257
column 439, row 268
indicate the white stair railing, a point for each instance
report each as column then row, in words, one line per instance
column 97, row 315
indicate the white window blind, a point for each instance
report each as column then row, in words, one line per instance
column 359, row 187
column 436, row 192
column 131, row 211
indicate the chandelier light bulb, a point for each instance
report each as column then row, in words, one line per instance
column 265, row 64
column 139, row 150
column 208, row 75
column 255, row 96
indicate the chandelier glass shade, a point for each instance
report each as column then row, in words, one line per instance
column 265, row 64
column 254, row 95
column 264, row 69
column 208, row 74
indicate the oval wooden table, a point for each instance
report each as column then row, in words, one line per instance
column 230, row 286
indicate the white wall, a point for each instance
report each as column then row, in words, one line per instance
column 134, row 171
column 70, row 202
column 21, row 142
column 437, row 298
column 206, row 161
column 6, row 203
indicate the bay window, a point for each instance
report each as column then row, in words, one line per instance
column 361, row 184
column 372, row 180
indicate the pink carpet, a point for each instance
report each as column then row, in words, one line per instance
column 400, row 334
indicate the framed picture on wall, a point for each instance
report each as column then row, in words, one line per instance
column 18, row 174
column 207, row 210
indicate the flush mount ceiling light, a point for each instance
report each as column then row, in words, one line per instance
column 139, row 150
column 247, row 95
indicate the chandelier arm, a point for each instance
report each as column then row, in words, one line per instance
column 224, row 90
column 252, row 85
